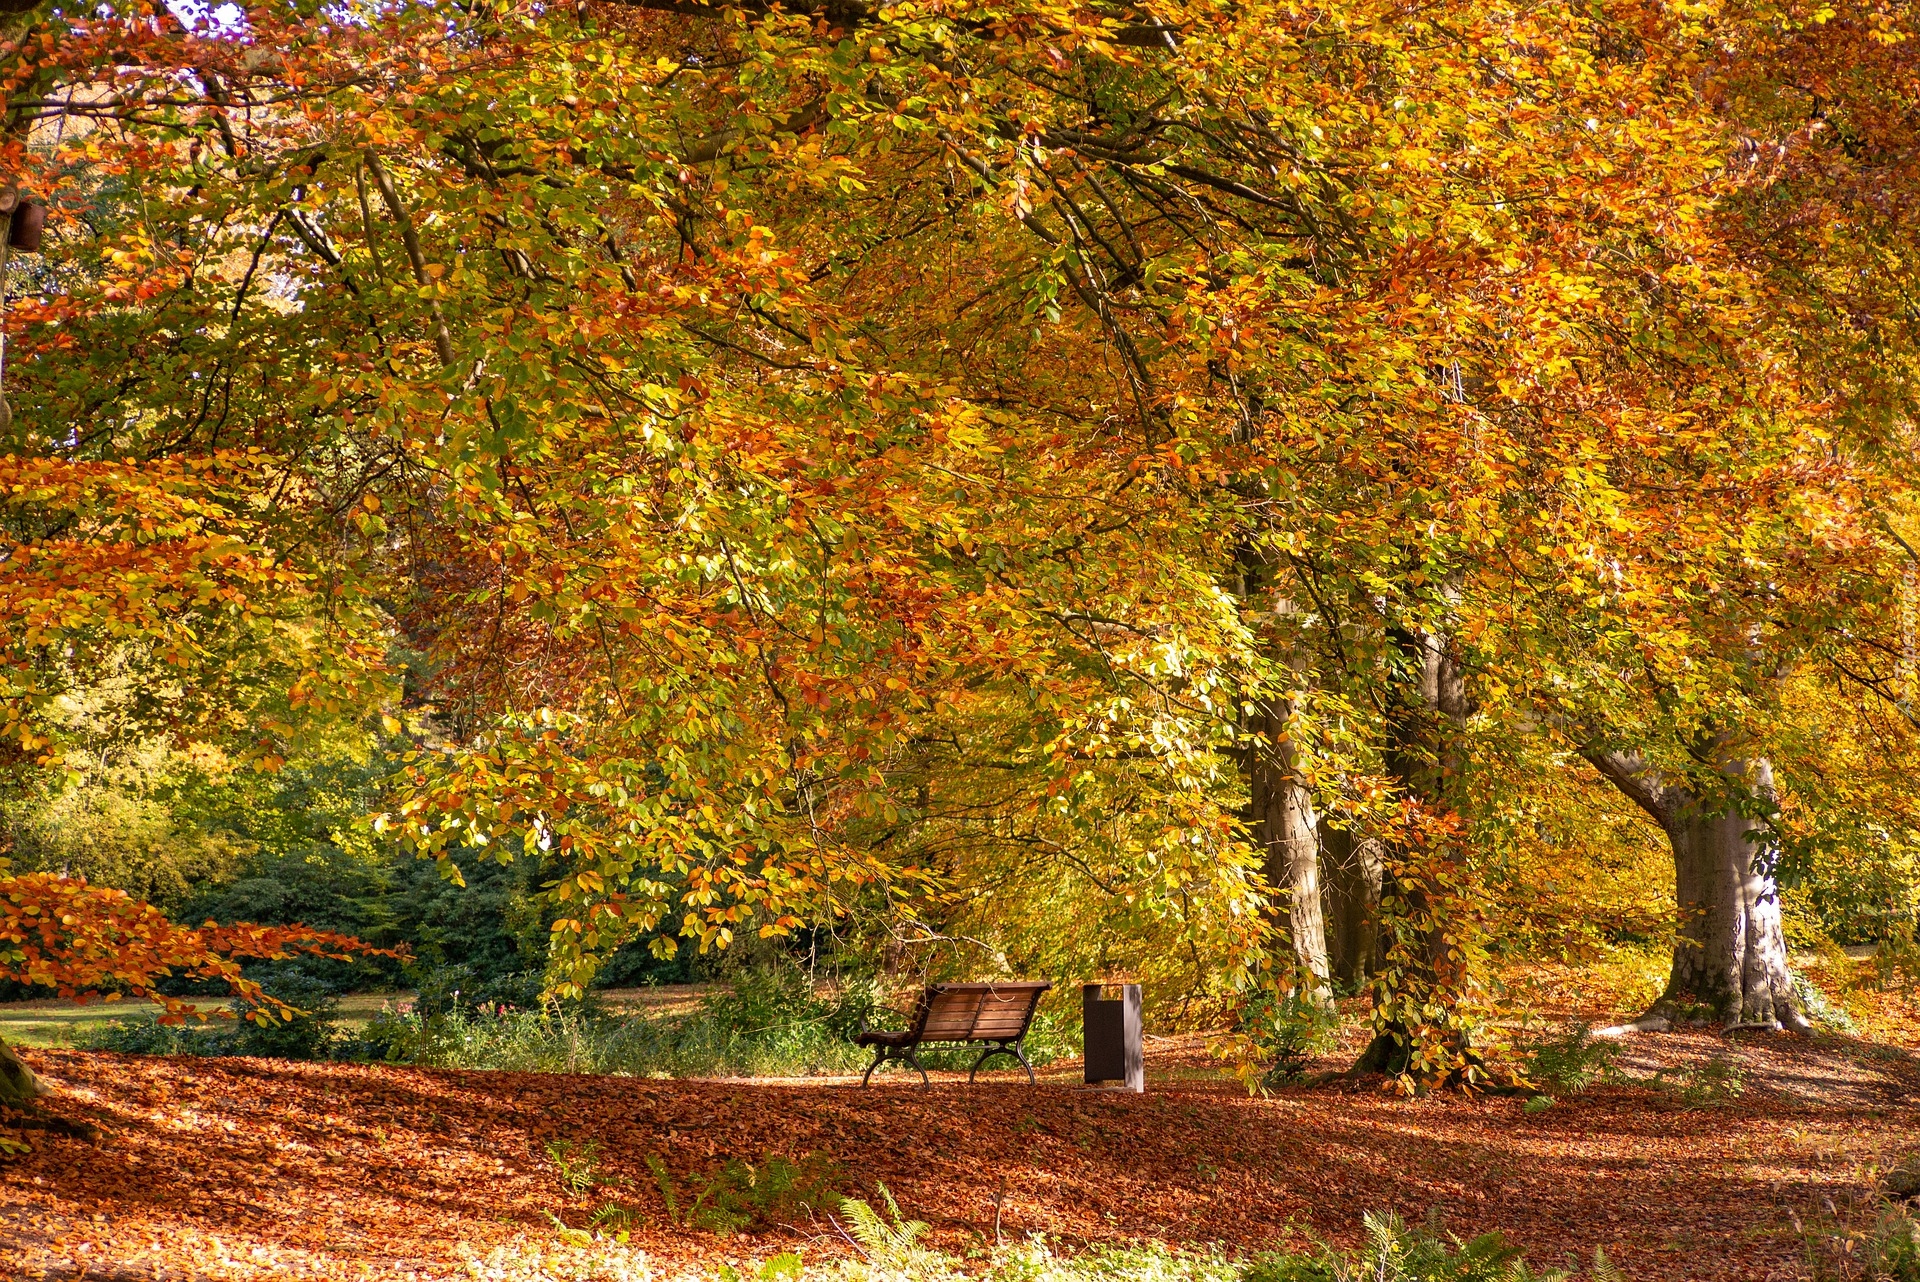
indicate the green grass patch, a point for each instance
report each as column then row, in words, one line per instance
column 59, row 1023
column 768, row 1022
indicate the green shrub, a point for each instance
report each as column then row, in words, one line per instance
column 1570, row 1063
column 768, row 1022
column 764, row 998
column 1395, row 1252
column 1895, row 1248
column 575, row 1165
column 859, row 1004
column 758, row 1027
column 310, row 1035
column 1882, row 1247
column 1287, row 1028
column 306, row 1036
column 1289, row 1267
column 889, row 1240
column 388, row 1037
column 740, row 1195
column 439, row 990
column 551, row 1040
column 1815, row 1005
column 891, row 1247
column 144, row 1035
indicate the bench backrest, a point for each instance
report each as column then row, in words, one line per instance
column 977, row 1012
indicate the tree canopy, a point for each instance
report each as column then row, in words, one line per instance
column 936, row 465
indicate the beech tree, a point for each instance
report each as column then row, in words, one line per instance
column 1821, row 180
column 811, row 444
column 1730, row 954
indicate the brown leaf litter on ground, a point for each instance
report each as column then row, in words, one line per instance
column 246, row 1168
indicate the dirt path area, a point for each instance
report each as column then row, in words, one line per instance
column 265, row 1169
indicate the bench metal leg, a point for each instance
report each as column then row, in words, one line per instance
column 1002, row 1048
column 905, row 1056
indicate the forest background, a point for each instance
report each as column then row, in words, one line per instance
column 1247, row 498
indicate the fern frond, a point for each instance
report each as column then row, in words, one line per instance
column 865, row 1225
column 665, row 1182
column 895, row 1244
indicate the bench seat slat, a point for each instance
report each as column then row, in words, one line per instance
column 990, row 1012
column 995, row 1027
column 952, row 1017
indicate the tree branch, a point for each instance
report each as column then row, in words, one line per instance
column 851, row 13
column 1640, row 783
column 442, row 340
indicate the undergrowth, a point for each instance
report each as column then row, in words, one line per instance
column 1281, row 1030
column 742, row 1195
column 1877, row 1240
column 1393, row 1251
column 734, row 1197
column 1819, row 1008
column 1572, row 1062
column 764, row 1025
column 590, row 1040
column 310, row 1035
column 886, row 1246
column 769, row 1022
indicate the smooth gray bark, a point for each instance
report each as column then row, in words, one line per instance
column 1288, row 831
column 1731, row 954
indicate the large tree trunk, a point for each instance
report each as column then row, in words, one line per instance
column 19, row 1088
column 1284, row 824
column 21, row 1091
column 1730, row 959
column 1351, row 874
column 1425, row 753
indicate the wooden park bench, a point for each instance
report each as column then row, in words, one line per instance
column 997, row 1014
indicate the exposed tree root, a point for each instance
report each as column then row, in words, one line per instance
column 20, row 1095
column 1655, row 1022
column 1647, row 1023
column 1388, row 1053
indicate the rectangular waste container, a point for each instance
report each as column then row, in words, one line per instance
column 1112, row 1028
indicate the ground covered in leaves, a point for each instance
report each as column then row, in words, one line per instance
column 243, row 1168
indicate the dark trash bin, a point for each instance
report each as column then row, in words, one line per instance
column 24, row 228
column 1112, row 1028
